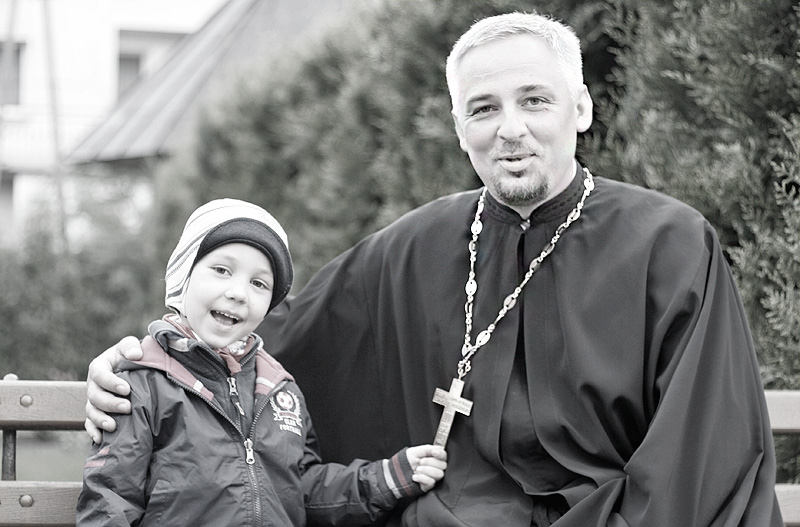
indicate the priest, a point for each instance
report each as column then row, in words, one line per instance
column 578, row 344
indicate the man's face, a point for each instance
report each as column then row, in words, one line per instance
column 517, row 121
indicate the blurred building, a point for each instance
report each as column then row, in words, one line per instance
column 104, row 89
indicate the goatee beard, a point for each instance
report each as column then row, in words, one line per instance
column 532, row 192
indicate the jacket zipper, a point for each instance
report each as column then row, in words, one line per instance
column 250, row 458
column 248, row 447
column 248, row 444
column 234, row 395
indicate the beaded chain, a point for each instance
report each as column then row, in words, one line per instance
column 469, row 349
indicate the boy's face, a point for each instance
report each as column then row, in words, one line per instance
column 228, row 294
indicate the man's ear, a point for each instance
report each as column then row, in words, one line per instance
column 462, row 142
column 584, row 106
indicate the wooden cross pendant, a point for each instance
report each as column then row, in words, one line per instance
column 452, row 402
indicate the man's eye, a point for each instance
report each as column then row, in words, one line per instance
column 481, row 109
column 533, row 101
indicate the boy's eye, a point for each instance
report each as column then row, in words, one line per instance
column 220, row 270
column 260, row 284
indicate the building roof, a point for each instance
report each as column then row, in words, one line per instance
column 150, row 120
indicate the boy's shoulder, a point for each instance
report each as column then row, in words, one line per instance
column 156, row 361
column 269, row 372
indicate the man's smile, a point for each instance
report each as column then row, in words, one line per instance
column 515, row 162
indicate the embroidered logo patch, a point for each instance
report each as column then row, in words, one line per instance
column 286, row 408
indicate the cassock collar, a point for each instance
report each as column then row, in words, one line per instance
column 557, row 207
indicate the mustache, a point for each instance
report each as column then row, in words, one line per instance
column 513, row 148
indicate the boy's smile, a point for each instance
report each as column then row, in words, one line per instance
column 225, row 319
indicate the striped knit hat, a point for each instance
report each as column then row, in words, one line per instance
column 224, row 221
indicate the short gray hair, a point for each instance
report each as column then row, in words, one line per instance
column 560, row 37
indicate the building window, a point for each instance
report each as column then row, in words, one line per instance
column 10, row 57
column 129, row 69
column 141, row 53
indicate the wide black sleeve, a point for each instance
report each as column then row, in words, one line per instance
column 707, row 457
column 708, row 452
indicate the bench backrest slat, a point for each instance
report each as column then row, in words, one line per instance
column 42, row 405
column 59, row 405
column 784, row 411
column 39, row 503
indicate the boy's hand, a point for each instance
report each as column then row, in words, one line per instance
column 429, row 463
column 102, row 384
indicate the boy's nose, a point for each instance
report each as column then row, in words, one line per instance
column 236, row 291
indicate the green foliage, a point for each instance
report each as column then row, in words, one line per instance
column 60, row 310
column 355, row 130
column 705, row 108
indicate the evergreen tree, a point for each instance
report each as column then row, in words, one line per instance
column 705, row 106
column 357, row 130
column 59, row 309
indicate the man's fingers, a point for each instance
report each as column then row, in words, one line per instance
column 104, row 379
column 416, row 453
column 101, row 369
column 96, row 422
column 430, row 469
column 95, row 433
column 104, row 401
column 129, row 348
column 102, row 385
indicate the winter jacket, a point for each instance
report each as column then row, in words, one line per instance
column 199, row 450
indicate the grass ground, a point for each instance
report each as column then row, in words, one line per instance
column 51, row 456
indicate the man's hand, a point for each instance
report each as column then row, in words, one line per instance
column 429, row 463
column 102, row 384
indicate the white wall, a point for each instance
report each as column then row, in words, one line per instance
column 85, row 44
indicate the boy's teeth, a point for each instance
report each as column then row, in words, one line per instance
column 225, row 316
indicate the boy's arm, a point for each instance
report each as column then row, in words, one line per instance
column 115, row 473
column 102, row 384
column 364, row 492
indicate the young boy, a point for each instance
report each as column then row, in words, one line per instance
column 219, row 434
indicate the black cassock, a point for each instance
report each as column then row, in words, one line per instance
column 623, row 386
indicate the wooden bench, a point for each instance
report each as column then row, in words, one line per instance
column 784, row 416
column 38, row 405
column 55, row 405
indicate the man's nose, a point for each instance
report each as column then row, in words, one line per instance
column 512, row 125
